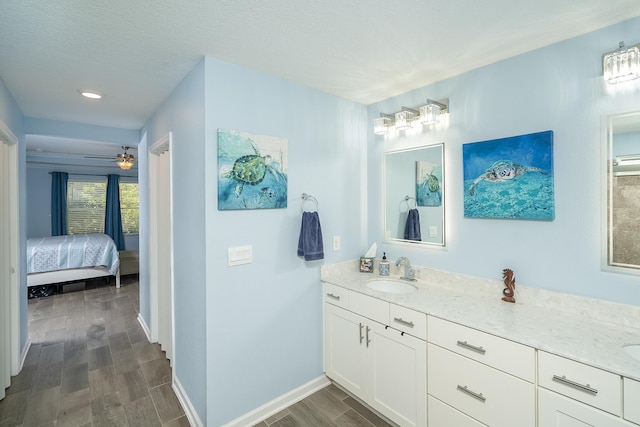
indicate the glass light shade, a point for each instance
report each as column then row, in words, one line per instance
column 430, row 114
column 125, row 164
column 404, row 119
column 381, row 125
column 622, row 64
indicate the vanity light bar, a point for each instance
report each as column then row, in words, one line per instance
column 428, row 114
column 622, row 64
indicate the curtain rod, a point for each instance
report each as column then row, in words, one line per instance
column 95, row 174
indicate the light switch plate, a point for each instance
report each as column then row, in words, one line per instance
column 240, row 255
column 433, row 231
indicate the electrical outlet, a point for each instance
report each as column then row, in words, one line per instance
column 336, row 243
column 433, row 231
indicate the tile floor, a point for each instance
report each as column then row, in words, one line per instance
column 328, row 407
column 90, row 364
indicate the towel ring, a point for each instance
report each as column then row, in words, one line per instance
column 308, row 197
column 407, row 199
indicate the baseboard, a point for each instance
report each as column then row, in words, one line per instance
column 23, row 354
column 278, row 404
column 145, row 328
column 189, row 411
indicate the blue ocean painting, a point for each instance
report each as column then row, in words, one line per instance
column 252, row 171
column 510, row 177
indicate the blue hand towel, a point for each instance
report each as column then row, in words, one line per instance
column 310, row 241
column 412, row 228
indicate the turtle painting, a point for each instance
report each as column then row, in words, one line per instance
column 503, row 170
column 250, row 169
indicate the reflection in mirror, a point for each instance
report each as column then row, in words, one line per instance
column 414, row 195
column 623, row 192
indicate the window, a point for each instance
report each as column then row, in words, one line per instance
column 86, row 204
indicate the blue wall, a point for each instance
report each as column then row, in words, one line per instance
column 559, row 88
column 264, row 320
column 183, row 114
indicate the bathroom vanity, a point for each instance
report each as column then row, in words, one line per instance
column 451, row 353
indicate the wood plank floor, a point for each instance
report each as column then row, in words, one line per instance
column 90, row 364
column 328, row 407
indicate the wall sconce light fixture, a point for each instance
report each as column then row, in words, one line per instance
column 383, row 124
column 428, row 114
column 621, row 64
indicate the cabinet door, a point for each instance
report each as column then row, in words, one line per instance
column 397, row 363
column 343, row 334
column 555, row 410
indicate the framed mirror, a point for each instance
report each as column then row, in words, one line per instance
column 413, row 196
column 622, row 193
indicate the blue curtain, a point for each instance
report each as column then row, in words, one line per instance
column 113, row 217
column 59, row 203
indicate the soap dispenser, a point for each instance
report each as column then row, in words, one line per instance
column 384, row 265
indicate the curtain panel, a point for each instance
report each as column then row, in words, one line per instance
column 113, row 216
column 59, row 203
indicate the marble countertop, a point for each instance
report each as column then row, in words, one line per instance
column 586, row 330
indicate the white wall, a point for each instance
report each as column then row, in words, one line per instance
column 557, row 88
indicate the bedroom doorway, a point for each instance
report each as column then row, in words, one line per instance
column 161, row 244
column 9, row 265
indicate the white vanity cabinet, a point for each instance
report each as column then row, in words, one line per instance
column 573, row 394
column 382, row 365
column 632, row 400
column 479, row 375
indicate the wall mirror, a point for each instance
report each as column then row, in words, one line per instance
column 622, row 193
column 414, row 195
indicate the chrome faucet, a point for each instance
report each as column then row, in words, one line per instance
column 409, row 272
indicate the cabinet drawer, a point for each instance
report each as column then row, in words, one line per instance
column 336, row 295
column 410, row 321
column 442, row 415
column 584, row 383
column 484, row 393
column 557, row 410
column 631, row 400
column 369, row 307
column 508, row 356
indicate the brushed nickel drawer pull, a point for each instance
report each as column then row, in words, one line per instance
column 478, row 396
column 472, row 347
column 361, row 337
column 403, row 322
column 335, row 297
column 586, row 388
column 368, row 340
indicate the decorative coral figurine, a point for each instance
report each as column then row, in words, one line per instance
column 510, row 283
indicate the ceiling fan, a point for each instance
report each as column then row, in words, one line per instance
column 124, row 160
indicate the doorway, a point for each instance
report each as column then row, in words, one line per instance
column 161, row 244
column 9, row 259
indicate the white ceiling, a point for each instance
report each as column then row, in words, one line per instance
column 136, row 52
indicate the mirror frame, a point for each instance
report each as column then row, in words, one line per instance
column 395, row 240
column 607, row 157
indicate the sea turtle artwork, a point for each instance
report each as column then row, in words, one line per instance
column 503, row 170
column 250, row 169
column 432, row 183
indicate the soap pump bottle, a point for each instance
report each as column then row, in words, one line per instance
column 384, row 265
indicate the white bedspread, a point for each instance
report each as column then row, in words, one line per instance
column 72, row 251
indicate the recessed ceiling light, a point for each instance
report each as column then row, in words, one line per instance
column 90, row 94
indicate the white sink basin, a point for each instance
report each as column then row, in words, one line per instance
column 391, row 286
column 633, row 350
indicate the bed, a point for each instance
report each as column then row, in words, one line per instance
column 70, row 258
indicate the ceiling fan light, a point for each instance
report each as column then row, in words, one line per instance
column 125, row 164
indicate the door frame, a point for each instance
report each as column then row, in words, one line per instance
column 162, row 145
column 10, row 257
